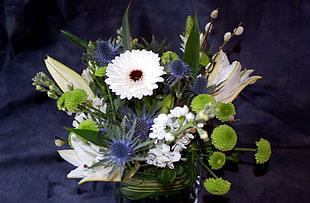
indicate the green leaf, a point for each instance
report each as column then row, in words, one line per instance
column 126, row 32
column 166, row 176
column 205, row 60
column 191, row 52
column 101, row 71
column 75, row 39
column 89, row 135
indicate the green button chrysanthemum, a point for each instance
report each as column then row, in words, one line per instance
column 217, row 160
column 224, row 111
column 263, row 151
column 224, row 138
column 89, row 124
column 199, row 102
column 71, row 100
column 217, row 186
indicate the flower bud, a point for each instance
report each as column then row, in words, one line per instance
column 59, row 142
column 214, row 14
column 239, row 30
column 227, row 36
column 208, row 27
column 203, row 134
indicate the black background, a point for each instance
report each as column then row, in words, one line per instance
column 275, row 43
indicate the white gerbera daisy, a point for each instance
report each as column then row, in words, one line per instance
column 134, row 74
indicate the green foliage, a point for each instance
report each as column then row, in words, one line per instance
column 126, row 31
column 101, row 71
column 44, row 84
column 153, row 46
column 167, row 104
column 90, row 135
column 75, row 39
column 166, row 176
column 204, row 59
column 191, row 52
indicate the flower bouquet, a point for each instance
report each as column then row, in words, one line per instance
column 148, row 118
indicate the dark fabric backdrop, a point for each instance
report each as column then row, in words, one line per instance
column 275, row 43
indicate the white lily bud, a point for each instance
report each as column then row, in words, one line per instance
column 214, row 14
column 239, row 30
column 227, row 36
column 208, row 27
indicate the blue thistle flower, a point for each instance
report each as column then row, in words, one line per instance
column 105, row 51
column 178, row 69
column 143, row 122
column 200, row 85
column 120, row 151
column 121, row 147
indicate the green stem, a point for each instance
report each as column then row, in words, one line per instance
column 245, row 149
column 205, row 166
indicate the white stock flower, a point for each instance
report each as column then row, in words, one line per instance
column 99, row 104
column 84, row 155
column 232, row 79
column 134, row 74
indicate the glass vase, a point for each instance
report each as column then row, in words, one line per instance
column 177, row 194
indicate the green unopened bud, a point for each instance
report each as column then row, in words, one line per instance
column 52, row 95
column 40, row 88
column 203, row 134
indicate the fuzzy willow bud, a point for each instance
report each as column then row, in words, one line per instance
column 227, row 36
column 208, row 27
column 239, row 30
column 214, row 14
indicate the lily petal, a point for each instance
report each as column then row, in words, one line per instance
column 64, row 76
column 70, row 156
column 83, row 150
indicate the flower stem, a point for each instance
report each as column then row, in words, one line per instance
column 205, row 166
column 245, row 149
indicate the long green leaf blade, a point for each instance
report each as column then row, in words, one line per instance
column 75, row 39
column 191, row 52
column 126, row 31
column 89, row 135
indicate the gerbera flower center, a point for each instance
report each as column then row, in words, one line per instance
column 136, row 75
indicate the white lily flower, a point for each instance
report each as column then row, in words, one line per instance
column 64, row 76
column 84, row 155
column 230, row 75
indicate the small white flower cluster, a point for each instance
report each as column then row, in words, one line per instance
column 165, row 130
